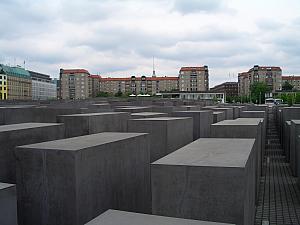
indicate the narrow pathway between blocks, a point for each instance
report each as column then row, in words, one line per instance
column 279, row 195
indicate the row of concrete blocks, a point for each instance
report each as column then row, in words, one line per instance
column 45, row 114
column 44, row 171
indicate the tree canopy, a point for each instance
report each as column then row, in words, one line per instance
column 258, row 91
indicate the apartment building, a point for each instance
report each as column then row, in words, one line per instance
column 293, row 80
column 194, row 79
column 74, row 84
column 270, row 75
column 230, row 89
column 42, row 86
column 16, row 83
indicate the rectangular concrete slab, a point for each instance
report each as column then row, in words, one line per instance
column 8, row 204
column 253, row 114
column 21, row 134
column 167, row 134
column 228, row 112
column 211, row 179
column 134, row 109
column 71, row 181
column 218, row 116
column 202, row 121
column 294, row 149
column 114, row 217
column 91, row 123
column 147, row 115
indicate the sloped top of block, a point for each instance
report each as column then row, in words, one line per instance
column 134, row 107
column 93, row 114
column 163, row 118
column 23, row 126
column 240, row 121
column 194, row 111
column 147, row 113
column 213, row 152
column 5, row 185
column 254, row 111
column 218, row 112
column 82, row 142
column 296, row 121
column 114, row 217
column 288, row 122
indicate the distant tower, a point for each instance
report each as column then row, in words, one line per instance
column 153, row 74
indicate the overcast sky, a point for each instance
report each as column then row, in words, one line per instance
column 119, row 37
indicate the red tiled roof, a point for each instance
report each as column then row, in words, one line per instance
column 162, row 78
column 68, row 71
column 290, row 77
column 115, row 79
column 197, row 68
column 138, row 78
column 95, row 76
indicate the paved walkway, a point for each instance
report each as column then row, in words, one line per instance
column 279, row 198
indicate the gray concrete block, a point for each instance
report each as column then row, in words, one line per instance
column 244, row 128
column 218, row 116
column 134, row 109
column 73, row 180
column 167, row 134
column 210, row 179
column 114, row 217
column 91, row 123
column 147, row 115
column 8, row 204
column 188, row 108
column 294, row 149
column 163, row 109
column 253, row 114
column 228, row 112
column 202, row 121
column 286, row 140
column 21, row 134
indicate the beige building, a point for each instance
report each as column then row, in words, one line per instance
column 193, row 79
column 139, row 85
column 75, row 84
column 293, row 80
column 16, row 83
column 270, row 75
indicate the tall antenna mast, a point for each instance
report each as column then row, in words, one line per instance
column 153, row 74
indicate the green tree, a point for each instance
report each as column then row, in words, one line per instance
column 229, row 99
column 290, row 99
column 258, row 91
column 119, row 94
column 287, row 86
column 297, row 98
column 103, row 94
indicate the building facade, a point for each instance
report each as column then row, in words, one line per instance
column 74, row 84
column 193, row 79
column 293, row 80
column 270, row 75
column 3, row 86
column 42, row 87
column 230, row 89
column 18, row 83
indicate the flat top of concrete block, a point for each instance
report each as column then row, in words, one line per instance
column 213, row 152
column 163, row 118
column 82, row 142
column 94, row 114
column 194, row 111
column 114, row 217
column 5, row 185
column 147, row 114
column 296, row 121
column 291, row 107
column 218, row 112
column 134, row 107
column 238, row 122
column 101, row 104
column 254, row 111
column 223, row 108
column 23, row 126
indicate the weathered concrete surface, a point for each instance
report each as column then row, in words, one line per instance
column 167, row 134
column 202, row 121
column 228, row 112
column 91, row 123
column 244, row 128
column 134, row 109
column 73, row 180
column 210, row 179
column 114, row 217
column 188, row 108
column 147, row 115
column 8, row 204
column 288, row 113
column 43, row 114
column 253, row 114
column 286, row 140
column 163, row 109
column 218, row 116
column 294, row 148
column 21, row 134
